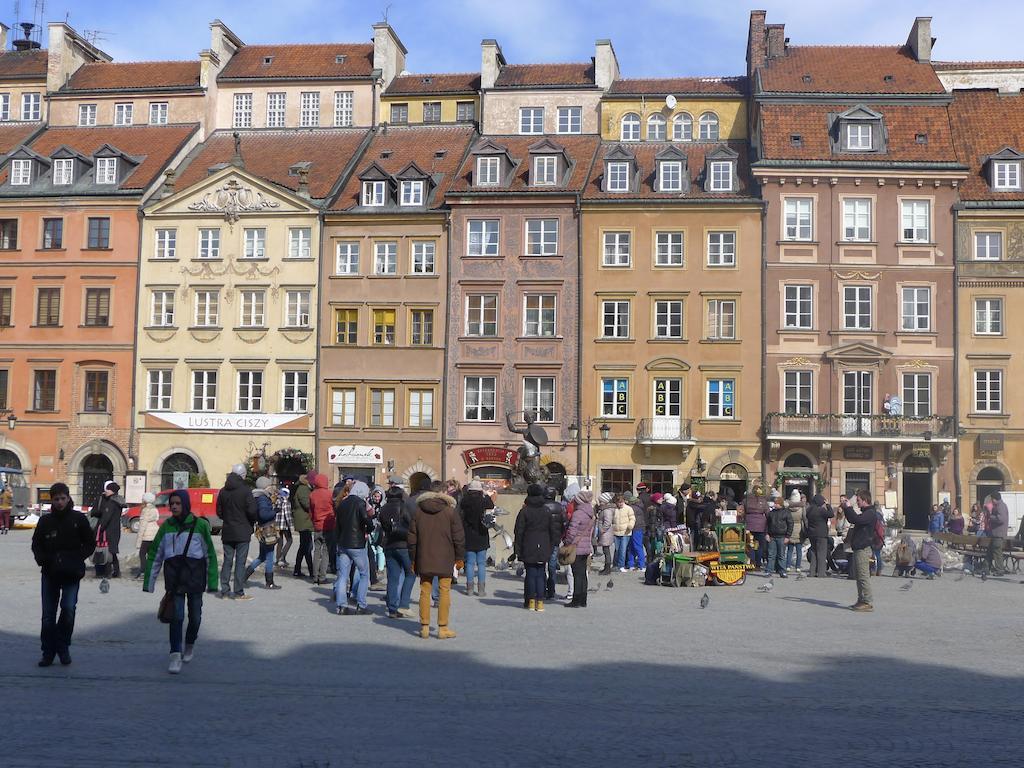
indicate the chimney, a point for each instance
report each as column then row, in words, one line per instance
column 491, row 62
column 67, row 52
column 776, row 41
column 920, row 41
column 168, row 188
column 303, row 190
column 606, row 64
column 756, row 53
column 388, row 52
column 4, row 29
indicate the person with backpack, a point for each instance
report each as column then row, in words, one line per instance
column 395, row 522
column 61, row 543
column 999, row 526
column 472, row 507
column 266, row 533
column 559, row 510
column 905, row 555
column 816, row 528
column 236, row 507
column 864, row 517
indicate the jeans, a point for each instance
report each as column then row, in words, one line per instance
column 636, row 555
column 320, row 555
column 621, row 544
column 55, row 633
column 794, row 551
column 476, row 562
column 877, row 554
column 535, row 579
column 305, row 551
column 761, row 551
column 817, row 557
column 400, row 578
column 552, row 568
column 362, row 581
column 195, row 617
column 924, row 568
column 234, row 560
column 579, row 577
column 860, row 565
column 266, row 558
column 776, row 555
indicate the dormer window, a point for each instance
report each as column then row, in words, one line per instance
column 618, row 177
column 339, row 58
column 488, row 171
column 1006, row 175
column 106, row 170
column 858, row 137
column 720, row 173
column 670, row 176
column 63, row 172
column 21, row 172
column 412, row 193
column 545, row 171
column 374, row 193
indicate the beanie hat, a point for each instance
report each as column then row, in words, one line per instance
column 605, row 498
column 656, row 497
column 239, row 469
column 263, row 483
column 475, row 485
column 111, row 486
column 669, row 499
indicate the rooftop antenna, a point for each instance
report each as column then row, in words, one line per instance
column 94, row 36
column 387, row 8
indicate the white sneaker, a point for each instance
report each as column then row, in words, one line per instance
column 175, row 666
column 187, row 655
column 623, row 570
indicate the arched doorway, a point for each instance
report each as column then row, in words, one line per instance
column 798, row 473
column 176, row 462
column 990, row 479
column 733, row 481
column 917, row 492
column 419, row 481
column 96, row 470
column 9, row 460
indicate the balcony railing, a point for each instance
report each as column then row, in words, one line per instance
column 835, row 425
column 667, row 430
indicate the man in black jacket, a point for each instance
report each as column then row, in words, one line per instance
column 61, row 542
column 816, row 528
column 236, row 508
column 351, row 529
column 780, row 528
column 395, row 522
column 862, row 516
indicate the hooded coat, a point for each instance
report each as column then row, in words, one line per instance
column 605, row 523
column 300, row 505
column 108, row 512
column 171, row 541
column 537, row 530
column 581, row 528
column 472, row 508
column 236, row 507
column 352, row 523
column 818, row 515
column 436, row 537
column 321, row 505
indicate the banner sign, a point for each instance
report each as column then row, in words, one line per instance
column 355, row 454
column 504, row 457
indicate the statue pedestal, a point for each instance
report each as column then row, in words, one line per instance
column 511, row 502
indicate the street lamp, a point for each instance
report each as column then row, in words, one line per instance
column 588, row 425
column 12, row 421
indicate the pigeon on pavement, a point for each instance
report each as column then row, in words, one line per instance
column 610, row 584
column 906, row 587
column 768, row 586
column 705, row 600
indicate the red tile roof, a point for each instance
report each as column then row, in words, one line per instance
column 645, row 157
column 580, row 150
column 848, row 69
column 300, row 61
column 13, row 135
column 134, row 76
column 546, row 75
column 23, row 65
column 943, row 66
column 415, row 85
column 155, row 145
column 780, row 122
column 271, row 154
column 681, row 86
column 394, row 149
column 985, row 122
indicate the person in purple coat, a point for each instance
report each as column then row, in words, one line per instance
column 580, row 532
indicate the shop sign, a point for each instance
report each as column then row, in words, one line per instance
column 228, row 422
column 492, row 455
column 728, row 573
column 862, row 452
column 990, row 443
column 355, row 454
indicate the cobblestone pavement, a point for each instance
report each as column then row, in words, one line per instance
column 642, row 677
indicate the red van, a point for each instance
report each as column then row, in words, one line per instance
column 204, row 504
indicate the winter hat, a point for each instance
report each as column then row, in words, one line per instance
column 628, row 495
column 818, row 500
column 669, row 499
column 605, row 498
column 360, row 489
column 475, row 485
column 535, row 489
column 111, row 486
column 656, row 497
column 239, row 469
column 263, row 483
column 283, row 493
column 584, row 497
column 148, row 498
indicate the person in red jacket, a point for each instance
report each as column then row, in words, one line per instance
column 321, row 512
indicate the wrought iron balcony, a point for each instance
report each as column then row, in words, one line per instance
column 665, row 430
column 836, row 426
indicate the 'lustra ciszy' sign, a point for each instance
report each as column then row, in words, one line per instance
column 228, row 422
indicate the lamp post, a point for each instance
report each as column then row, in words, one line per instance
column 12, row 420
column 588, row 425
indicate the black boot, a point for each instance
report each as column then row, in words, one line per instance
column 269, row 578
column 249, row 571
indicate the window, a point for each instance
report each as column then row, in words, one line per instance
column 8, row 234
column 97, row 307
column 916, row 310
column 250, row 391
column 343, row 109
column 209, row 243
column 296, row 309
column 207, row 309
column 421, row 408
column 48, row 307
column 668, row 249
column 857, row 306
column 799, row 307
column 708, row 126
column 630, row 127
column 343, row 407
column 539, row 314
column 616, row 480
column 988, row 317
column 721, row 394
column 86, row 115
column 545, row 171
column 988, row 391
column 374, row 193
column 721, row 319
column 917, row 394
column 123, row 114
column 423, row 257
column 158, row 113
column 858, row 137
column 296, row 392
column 253, row 304
column 465, row 111
column 276, row 109
column 106, row 170
column 617, row 249
column 63, row 171
column 166, row 243
column 615, row 398
column 44, row 390
column 618, row 177
column 1006, row 175
column 857, row 393
column 384, row 327
column 347, row 262
column 242, row 116
column 488, row 170
column 255, row 243
column 570, row 120
column 6, row 307
column 96, row 391
column 541, row 237
column 615, row 319
column 309, row 109
column 656, row 128
column 539, row 397
column 204, row 390
column 670, row 176
column 399, row 114
column 721, row 249
column 162, row 315
column 31, row 106
column 798, row 392
column 21, row 172
column 682, row 127
column 382, row 407
column 159, row 389
column 346, row 323
column 482, row 315
column 432, row 112
column 483, row 237
column 412, row 193
column 916, row 221
column 385, row 261
column 798, row 218
column 422, row 327
column 299, row 242
column 531, row 120
column 721, row 176
column 668, row 319
column 5, row 107
column 988, row 246
column 857, row 219
column 99, row 233
column 52, row 232
column 668, row 400
column 479, row 398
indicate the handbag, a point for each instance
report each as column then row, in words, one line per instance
column 165, row 613
column 101, row 555
column 184, row 574
column 567, row 554
column 268, row 534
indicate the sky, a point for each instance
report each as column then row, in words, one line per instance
column 652, row 38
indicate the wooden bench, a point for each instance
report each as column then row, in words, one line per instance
column 975, row 549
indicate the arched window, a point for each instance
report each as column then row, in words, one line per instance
column 655, row 128
column 630, row 127
column 9, row 460
column 798, row 460
column 176, row 462
column 682, row 127
column 709, row 127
